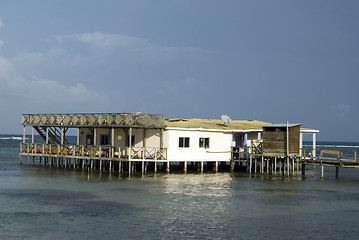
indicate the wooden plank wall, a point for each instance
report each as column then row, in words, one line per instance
column 275, row 141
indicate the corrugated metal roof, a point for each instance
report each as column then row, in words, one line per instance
column 283, row 125
column 215, row 124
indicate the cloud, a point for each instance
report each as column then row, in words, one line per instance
column 133, row 48
column 44, row 93
column 342, row 110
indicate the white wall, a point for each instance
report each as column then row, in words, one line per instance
column 219, row 146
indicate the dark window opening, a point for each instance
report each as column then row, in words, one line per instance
column 104, row 139
column 204, row 142
column 183, row 142
column 89, row 139
column 133, row 141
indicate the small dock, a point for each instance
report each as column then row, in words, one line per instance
column 331, row 158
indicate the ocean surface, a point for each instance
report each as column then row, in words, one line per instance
column 55, row 203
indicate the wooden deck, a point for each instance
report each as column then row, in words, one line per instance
column 110, row 158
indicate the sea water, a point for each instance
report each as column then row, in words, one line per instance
column 39, row 202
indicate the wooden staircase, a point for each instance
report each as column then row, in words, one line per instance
column 54, row 134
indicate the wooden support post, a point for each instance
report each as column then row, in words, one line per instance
column 161, row 139
column 231, row 165
column 292, row 164
column 303, row 169
column 24, row 135
column 168, row 166
column 250, row 164
column 322, row 171
column 129, row 149
column 275, row 164
column 33, row 135
column 100, row 165
column 297, row 159
column 95, row 136
column 283, row 165
column 111, row 153
column 255, row 165
column 47, row 135
column 91, row 164
column 78, row 137
column 216, row 166
column 185, row 166
column 62, row 136
column 262, row 165
column 288, row 165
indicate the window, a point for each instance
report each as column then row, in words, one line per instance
column 104, row 139
column 133, row 142
column 89, row 139
column 183, row 142
column 204, row 142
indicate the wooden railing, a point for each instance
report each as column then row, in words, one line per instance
column 109, row 152
column 330, row 155
column 155, row 153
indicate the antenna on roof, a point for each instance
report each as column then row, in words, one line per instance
column 226, row 119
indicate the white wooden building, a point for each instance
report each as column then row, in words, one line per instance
column 115, row 140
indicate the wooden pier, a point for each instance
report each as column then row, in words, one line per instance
column 154, row 159
column 129, row 142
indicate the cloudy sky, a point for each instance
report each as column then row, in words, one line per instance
column 272, row 60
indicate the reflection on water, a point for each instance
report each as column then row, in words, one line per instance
column 196, row 185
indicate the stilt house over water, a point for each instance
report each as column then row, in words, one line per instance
column 125, row 140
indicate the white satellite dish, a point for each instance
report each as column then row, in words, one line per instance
column 226, row 119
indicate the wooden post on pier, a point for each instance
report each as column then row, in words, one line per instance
column 303, row 169
column 262, row 165
column 231, row 165
column 168, row 166
column 250, row 164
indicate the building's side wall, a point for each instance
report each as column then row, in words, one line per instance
column 294, row 140
column 121, row 135
column 219, row 146
column 275, row 141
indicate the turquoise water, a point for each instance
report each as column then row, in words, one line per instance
column 54, row 203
